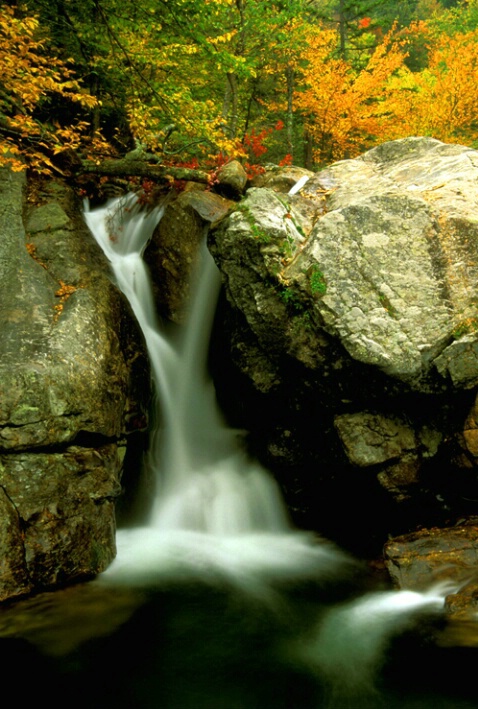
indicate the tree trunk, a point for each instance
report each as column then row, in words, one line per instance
column 308, row 151
column 342, row 30
column 233, row 120
column 290, row 110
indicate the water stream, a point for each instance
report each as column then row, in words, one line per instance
column 232, row 607
column 215, row 509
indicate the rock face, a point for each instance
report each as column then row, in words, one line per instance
column 428, row 557
column 73, row 383
column 280, row 179
column 423, row 558
column 351, row 308
column 172, row 252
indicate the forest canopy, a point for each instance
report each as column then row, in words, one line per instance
column 199, row 82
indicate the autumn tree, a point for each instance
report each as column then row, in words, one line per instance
column 440, row 101
column 196, row 82
column 346, row 110
column 33, row 85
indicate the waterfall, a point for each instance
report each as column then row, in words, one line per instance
column 216, row 511
column 218, row 516
column 204, row 481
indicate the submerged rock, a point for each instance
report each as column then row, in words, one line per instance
column 73, row 382
column 426, row 558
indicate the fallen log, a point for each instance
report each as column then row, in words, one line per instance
column 126, row 167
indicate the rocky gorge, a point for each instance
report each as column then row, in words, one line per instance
column 346, row 344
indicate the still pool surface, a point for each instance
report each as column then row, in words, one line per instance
column 212, row 646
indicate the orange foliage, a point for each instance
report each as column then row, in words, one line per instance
column 30, row 76
column 365, row 22
column 63, row 293
column 441, row 100
column 346, row 111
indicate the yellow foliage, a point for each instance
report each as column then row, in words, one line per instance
column 441, row 100
column 29, row 75
column 345, row 111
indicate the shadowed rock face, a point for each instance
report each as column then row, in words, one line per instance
column 172, row 251
column 73, row 383
column 351, row 308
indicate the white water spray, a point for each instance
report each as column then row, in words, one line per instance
column 216, row 511
column 299, row 184
column 348, row 645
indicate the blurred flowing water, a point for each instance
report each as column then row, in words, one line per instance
column 217, row 602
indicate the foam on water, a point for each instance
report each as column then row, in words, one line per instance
column 348, row 644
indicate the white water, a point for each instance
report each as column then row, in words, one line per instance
column 204, row 481
column 348, row 644
column 218, row 515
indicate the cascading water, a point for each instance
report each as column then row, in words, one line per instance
column 348, row 644
column 204, row 481
column 217, row 514
column 214, row 508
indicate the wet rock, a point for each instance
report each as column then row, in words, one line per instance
column 74, row 381
column 370, row 439
column 210, row 207
column 266, row 229
column 470, row 432
column 418, row 560
column 373, row 439
column 46, row 218
column 64, row 503
column 173, row 250
column 399, row 478
column 14, row 579
column 63, row 369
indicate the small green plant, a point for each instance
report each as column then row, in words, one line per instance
column 317, row 282
column 465, row 327
column 286, row 249
column 387, row 305
column 256, row 231
column 305, row 321
column 288, row 215
column 289, row 296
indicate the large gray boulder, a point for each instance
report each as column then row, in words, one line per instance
column 398, row 251
column 73, row 383
column 353, row 306
column 390, row 266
